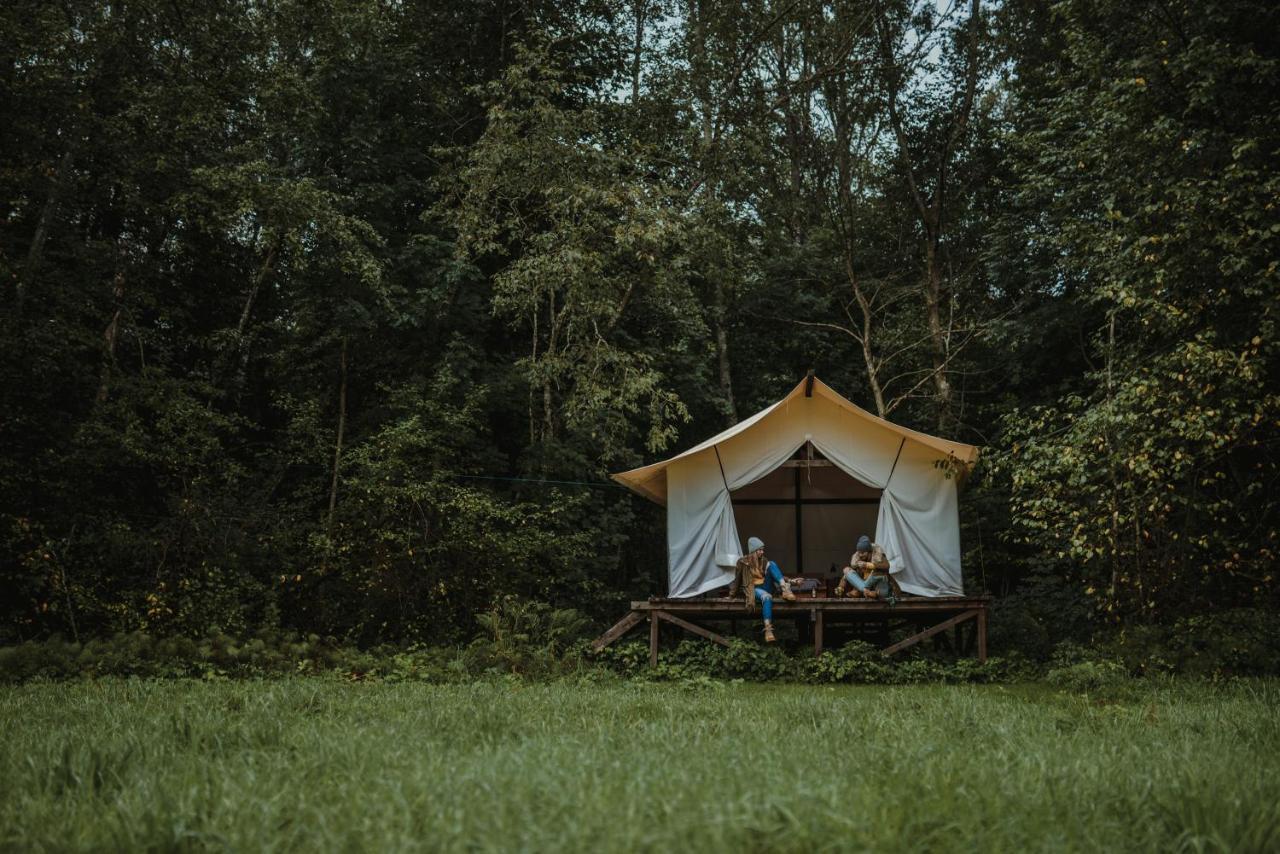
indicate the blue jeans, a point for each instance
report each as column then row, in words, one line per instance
column 877, row 582
column 764, row 592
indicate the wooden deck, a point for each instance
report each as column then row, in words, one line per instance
column 930, row 615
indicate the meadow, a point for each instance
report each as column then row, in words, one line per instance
column 323, row 764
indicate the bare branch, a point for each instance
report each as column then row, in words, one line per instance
column 833, row 326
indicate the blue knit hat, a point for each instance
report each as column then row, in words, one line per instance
column 864, row 543
column 754, row 543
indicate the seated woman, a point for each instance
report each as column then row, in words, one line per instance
column 867, row 574
column 759, row 579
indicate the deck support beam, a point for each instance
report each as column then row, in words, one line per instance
column 930, row 632
column 693, row 628
column 957, row 610
column 618, row 629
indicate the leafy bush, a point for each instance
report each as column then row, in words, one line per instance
column 1105, row 677
column 527, row 639
column 1044, row 611
column 221, row 656
column 1087, row 670
column 857, row 663
column 1241, row 642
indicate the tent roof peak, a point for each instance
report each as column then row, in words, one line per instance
column 650, row 480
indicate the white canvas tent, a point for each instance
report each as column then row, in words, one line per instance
column 811, row 510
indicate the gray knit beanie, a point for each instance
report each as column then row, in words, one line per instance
column 864, row 543
column 754, row 543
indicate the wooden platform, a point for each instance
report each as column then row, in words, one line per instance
column 931, row 615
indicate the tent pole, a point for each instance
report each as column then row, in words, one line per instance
column 894, row 467
column 799, row 527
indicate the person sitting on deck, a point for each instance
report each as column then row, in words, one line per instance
column 867, row 574
column 759, row 579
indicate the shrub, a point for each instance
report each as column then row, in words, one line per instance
column 1240, row 642
column 857, row 662
column 527, row 639
column 220, row 656
column 1105, row 677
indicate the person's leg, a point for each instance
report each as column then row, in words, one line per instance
column 854, row 580
column 777, row 584
column 773, row 577
column 766, row 601
column 765, row 598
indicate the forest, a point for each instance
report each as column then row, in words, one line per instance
column 334, row 316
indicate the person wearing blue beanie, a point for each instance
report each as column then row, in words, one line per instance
column 867, row 574
column 759, row 579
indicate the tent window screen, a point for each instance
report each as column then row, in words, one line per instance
column 808, row 512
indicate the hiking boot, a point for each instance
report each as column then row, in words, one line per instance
column 768, row 633
column 855, row 593
column 787, row 594
column 838, row 592
column 871, row 594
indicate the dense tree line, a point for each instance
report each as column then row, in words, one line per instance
column 335, row 315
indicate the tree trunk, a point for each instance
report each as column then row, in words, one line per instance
column 342, row 426
column 35, row 254
column 242, row 343
column 719, row 308
column 640, row 8
column 719, row 314
column 931, row 211
column 111, row 334
column 937, row 332
column 868, row 354
column 548, row 399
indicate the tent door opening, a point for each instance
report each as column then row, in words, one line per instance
column 808, row 512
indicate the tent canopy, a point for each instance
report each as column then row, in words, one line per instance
column 913, row 474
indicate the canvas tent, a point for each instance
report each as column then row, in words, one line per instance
column 808, row 475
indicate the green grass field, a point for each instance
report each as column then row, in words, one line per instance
column 312, row 764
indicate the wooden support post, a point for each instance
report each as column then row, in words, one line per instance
column 692, row 627
column 930, row 632
column 819, row 619
column 982, row 635
column 653, row 638
column 619, row 629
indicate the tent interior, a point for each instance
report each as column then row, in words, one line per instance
column 808, row 512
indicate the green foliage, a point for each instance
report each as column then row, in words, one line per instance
column 1146, row 142
column 1099, row 678
column 267, row 654
column 582, row 242
column 527, row 639
column 333, row 317
column 856, row 663
column 1231, row 643
column 1042, row 612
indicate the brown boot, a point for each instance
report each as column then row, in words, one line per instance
column 839, row 590
column 855, row 593
column 786, row 592
column 768, row 633
column 871, row 594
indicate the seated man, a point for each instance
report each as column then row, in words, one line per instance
column 759, row 579
column 867, row 573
